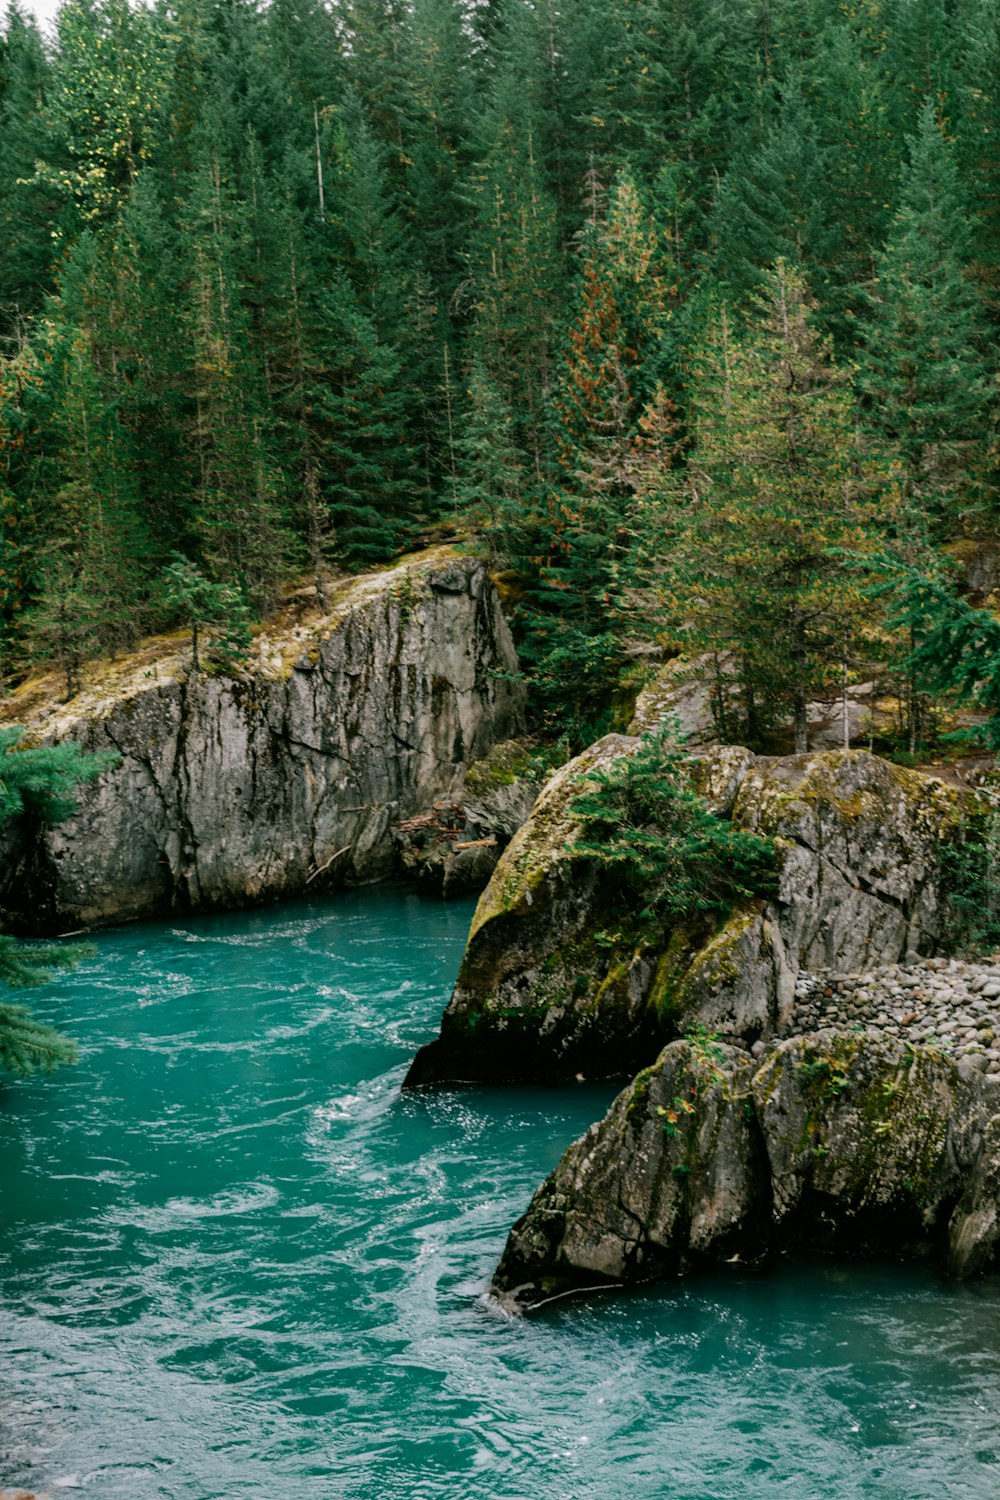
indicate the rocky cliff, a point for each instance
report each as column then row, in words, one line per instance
column 561, row 976
column 294, row 772
column 835, row 1142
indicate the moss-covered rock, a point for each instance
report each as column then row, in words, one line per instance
column 562, row 976
column 834, row 1143
column 556, row 973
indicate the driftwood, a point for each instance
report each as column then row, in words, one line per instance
column 329, row 862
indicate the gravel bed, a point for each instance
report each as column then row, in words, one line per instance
column 939, row 1002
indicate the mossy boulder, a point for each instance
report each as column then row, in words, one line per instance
column 834, row 1143
column 562, row 975
column 556, row 973
column 861, row 841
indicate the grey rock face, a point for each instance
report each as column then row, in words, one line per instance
column 561, row 976
column 237, row 789
column 834, row 1142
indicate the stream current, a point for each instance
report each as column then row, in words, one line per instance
column 235, row 1263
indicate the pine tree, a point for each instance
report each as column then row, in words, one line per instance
column 237, row 513
column 89, row 596
column 577, row 542
column 201, row 604
column 515, row 262
column 924, row 370
column 25, row 207
column 750, row 559
column 768, row 204
column 490, row 473
column 37, row 783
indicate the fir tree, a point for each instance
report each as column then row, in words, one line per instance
column 37, row 783
column 202, row 603
column 26, row 207
column 773, row 495
column 641, row 820
column 924, row 370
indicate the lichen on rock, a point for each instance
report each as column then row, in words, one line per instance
column 562, row 975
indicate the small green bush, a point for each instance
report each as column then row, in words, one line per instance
column 641, row 818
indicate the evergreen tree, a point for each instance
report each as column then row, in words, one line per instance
column 236, row 510
column 577, row 543
column 489, row 476
column 200, row 603
column 37, row 783
column 773, row 496
column 769, row 203
column 90, row 598
column 640, row 819
column 925, row 371
column 26, row 207
column 515, row 261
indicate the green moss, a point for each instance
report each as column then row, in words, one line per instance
column 638, row 1105
column 666, row 992
column 508, row 762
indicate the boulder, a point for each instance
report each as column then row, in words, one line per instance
column 835, row 1143
column 555, row 975
column 562, row 976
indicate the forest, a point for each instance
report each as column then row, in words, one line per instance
column 683, row 313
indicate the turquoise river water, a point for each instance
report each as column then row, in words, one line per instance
column 235, row 1263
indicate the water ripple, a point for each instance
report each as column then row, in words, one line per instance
column 235, row 1262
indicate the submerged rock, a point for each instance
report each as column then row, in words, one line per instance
column 834, row 1143
column 293, row 774
column 562, row 975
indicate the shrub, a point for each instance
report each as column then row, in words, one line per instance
column 640, row 817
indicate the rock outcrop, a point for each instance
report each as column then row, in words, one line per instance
column 453, row 847
column 292, row 773
column 685, row 692
column 561, row 976
column 834, row 1143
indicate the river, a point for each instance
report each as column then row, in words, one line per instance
column 235, row 1263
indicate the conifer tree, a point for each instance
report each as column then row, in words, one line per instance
column 773, row 496
column 515, row 263
column 490, row 473
column 39, row 783
column 236, row 501
column 89, row 595
column 924, row 368
column 578, row 539
column 768, row 206
column 26, row 207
